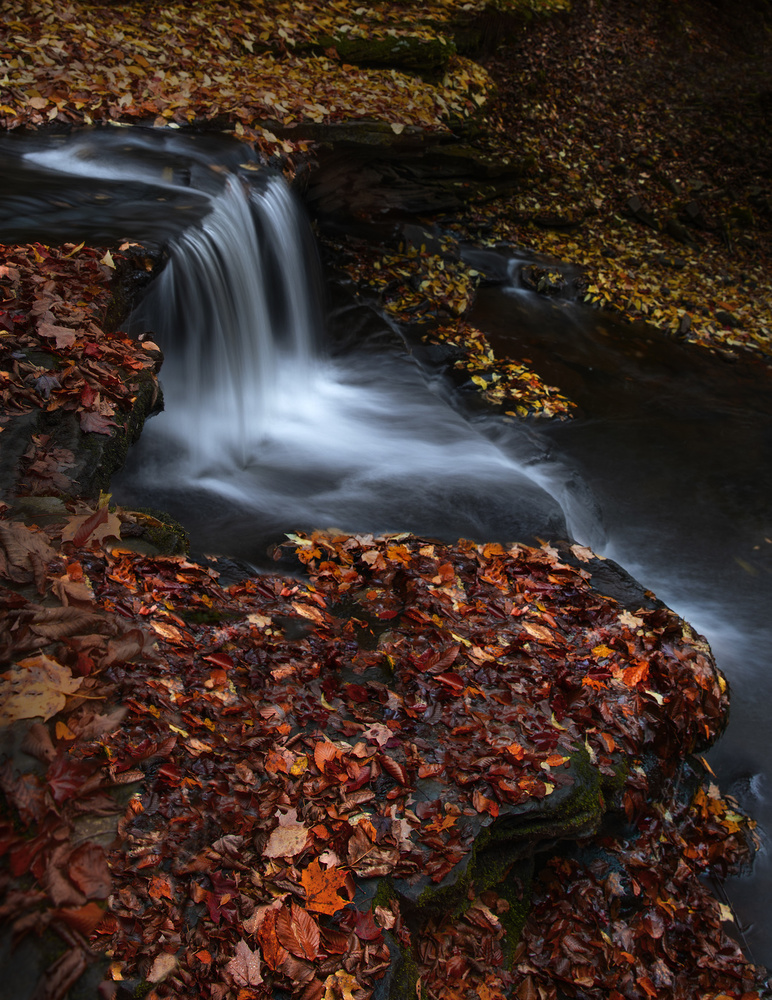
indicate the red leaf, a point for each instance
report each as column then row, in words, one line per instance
column 366, row 927
column 98, row 517
column 451, row 680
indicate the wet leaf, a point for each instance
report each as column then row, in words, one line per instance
column 37, row 686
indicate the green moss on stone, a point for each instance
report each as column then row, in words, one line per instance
column 416, row 54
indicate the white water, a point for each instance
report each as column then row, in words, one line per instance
column 263, row 432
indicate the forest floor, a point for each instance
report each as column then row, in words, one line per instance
column 644, row 131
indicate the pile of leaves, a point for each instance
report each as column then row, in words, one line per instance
column 54, row 352
column 514, row 387
column 646, row 129
column 239, row 65
column 315, row 764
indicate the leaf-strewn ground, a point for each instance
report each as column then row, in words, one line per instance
column 306, row 762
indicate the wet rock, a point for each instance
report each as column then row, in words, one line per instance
column 674, row 263
column 412, row 53
column 636, row 208
column 543, row 280
column 727, row 319
column 365, row 169
column 694, row 215
column 679, row 232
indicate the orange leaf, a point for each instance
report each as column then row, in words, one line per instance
column 273, row 952
column 84, row 919
column 608, row 740
column 484, row 804
column 324, row 753
column 322, row 888
column 636, row 675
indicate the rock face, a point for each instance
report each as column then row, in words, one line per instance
column 365, row 169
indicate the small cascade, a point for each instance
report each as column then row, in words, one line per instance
column 262, row 432
column 235, row 306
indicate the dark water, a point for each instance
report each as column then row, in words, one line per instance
column 676, row 445
column 667, row 470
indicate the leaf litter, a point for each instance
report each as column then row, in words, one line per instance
column 436, row 692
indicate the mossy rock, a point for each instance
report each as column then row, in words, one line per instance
column 520, row 831
column 99, row 456
column 413, row 53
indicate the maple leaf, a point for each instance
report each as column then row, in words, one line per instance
column 244, row 967
column 322, row 888
column 97, row 526
column 63, row 336
column 95, row 423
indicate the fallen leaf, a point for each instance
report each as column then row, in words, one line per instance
column 38, row 686
column 244, row 967
column 322, row 887
column 288, row 839
column 163, row 966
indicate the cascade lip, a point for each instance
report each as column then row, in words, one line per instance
column 95, row 183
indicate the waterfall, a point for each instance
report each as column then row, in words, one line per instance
column 235, row 307
column 262, row 432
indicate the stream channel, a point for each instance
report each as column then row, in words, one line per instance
column 277, row 420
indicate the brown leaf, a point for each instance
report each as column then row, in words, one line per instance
column 23, row 551
column 288, row 839
column 63, row 336
column 39, row 686
column 84, row 919
column 162, row 967
column 56, row 623
column 95, row 423
column 244, row 967
column 64, row 973
column 298, row 970
column 97, row 526
column 88, row 869
column 37, row 743
column 298, row 932
column 61, row 891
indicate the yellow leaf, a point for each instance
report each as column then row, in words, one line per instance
column 397, row 128
column 38, row 686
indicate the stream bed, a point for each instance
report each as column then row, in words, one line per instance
column 667, row 468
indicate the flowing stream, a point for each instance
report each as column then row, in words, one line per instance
column 268, row 428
